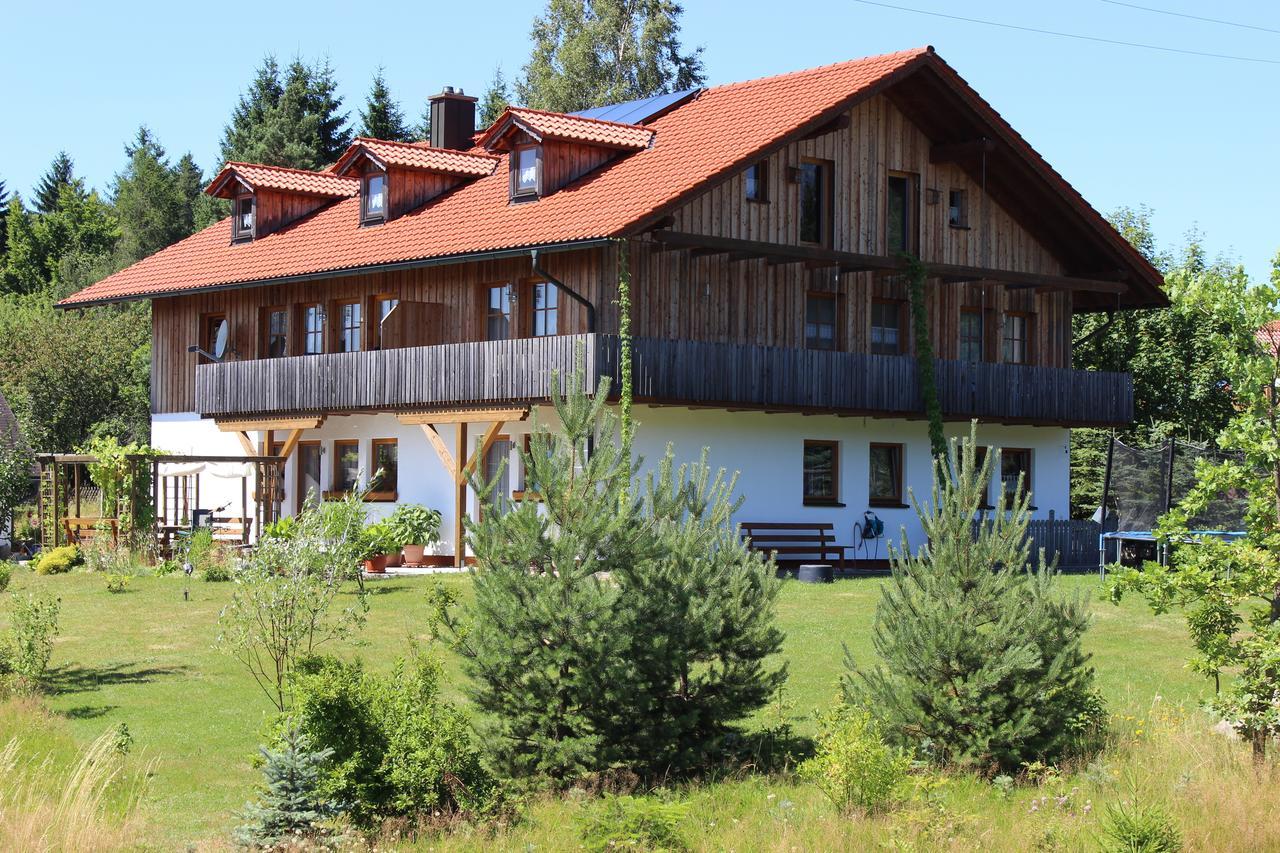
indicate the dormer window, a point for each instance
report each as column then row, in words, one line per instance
column 373, row 206
column 242, row 221
column 526, row 172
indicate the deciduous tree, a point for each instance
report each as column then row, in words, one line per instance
column 588, row 53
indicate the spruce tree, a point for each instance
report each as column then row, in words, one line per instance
column 150, row 204
column 251, row 112
column 981, row 660
column 289, row 809
column 324, row 102
column 587, row 53
column 4, row 222
column 496, row 99
column 61, row 174
column 382, row 117
column 615, row 622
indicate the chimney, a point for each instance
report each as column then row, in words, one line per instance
column 453, row 119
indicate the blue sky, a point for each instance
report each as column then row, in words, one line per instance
column 1195, row 138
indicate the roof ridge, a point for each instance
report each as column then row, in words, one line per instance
column 428, row 148
column 573, row 117
column 322, row 174
column 911, row 52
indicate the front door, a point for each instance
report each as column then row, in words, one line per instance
column 308, row 492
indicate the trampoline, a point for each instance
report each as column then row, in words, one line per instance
column 1141, row 484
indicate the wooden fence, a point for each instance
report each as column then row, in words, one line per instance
column 1074, row 542
column 669, row 371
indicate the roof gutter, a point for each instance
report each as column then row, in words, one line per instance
column 396, row 266
column 577, row 297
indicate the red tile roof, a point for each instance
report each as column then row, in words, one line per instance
column 545, row 125
column 705, row 139
column 279, row 178
column 411, row 155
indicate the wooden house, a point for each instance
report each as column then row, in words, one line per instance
column 403, row 309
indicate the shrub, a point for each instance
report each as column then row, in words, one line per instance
column 853, row 765
column 117, row 583
column 640, row 823
column 168, row 567
column 1139, row 828
column 217, row 571
column 56, row 561
column 619, row 623
column 290, row 809
column 33, row 626
column 982, row 659
column 6, row 574
column 414, row 524
column 398, row 749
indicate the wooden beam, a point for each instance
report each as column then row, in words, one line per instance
column 840, row 122
column 246, row 443
column 446, row 459
column 949, row 152
column 290, row 443
column 490, row 435
column 779, row 253
column 457, row 416
column 460, row 502
column 258, row 425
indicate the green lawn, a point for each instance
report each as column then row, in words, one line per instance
column 146, row 658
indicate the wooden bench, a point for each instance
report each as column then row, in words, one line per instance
column 82, row 530
column 814, row 540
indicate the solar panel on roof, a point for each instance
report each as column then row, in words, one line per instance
column 637, row 111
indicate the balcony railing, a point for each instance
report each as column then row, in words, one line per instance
column 668, row 371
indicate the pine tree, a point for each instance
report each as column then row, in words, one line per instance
column 615, row 622
column 190, row 181
column 301, row 129
column 4, row 222
column 496, row 99
column 151, row 205
column 382, row 117
column 251, row 112
column 61, row 174
column 289, row 809
column 981, row 659
column 324, row 102
column 588, row 53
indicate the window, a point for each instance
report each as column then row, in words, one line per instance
column 545, row 309
column 958, row 209
column 979, row 460
column 815, row 201
column 386, row 461
column 820, row 321
column 900, row 215
column 346, row 465
column 1015, row 468
column 373, row 198
column 758, row 181
column 497, row 460
column 275, row 332
column 242, row 222
column 886, row 327
column 971, row 336
column 886, row 475
column 497, row 316
column 526, row 171
column 349, row 315
column 382, row 306
column 821, row 472
column 216, row 336
column 308, row 474
column 1017, row 338
column 312, row 330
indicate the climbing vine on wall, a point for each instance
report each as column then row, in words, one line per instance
column 628, row 427
column 916, row 275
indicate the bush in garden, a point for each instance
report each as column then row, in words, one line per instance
column 1138, row 828
column 616, row 622
column 290, row 810
column 982, row 658
column 638, row 823
column 853, row 765
column 206, row 558
column 33, row 626
column 117, row 583
column 396, row 748
column 6, row 574
column 57, row 561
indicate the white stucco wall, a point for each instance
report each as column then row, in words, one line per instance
column 765, row 449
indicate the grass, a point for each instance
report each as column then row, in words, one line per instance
column 146, row 658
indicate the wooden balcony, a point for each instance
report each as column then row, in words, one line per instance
column 665, row 371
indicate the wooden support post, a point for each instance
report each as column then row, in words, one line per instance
column 75, row 473
column 477, row 456
column 57, row 508
column 459, row 530
column 246, row 443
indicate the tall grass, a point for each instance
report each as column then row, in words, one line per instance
column 49, row 804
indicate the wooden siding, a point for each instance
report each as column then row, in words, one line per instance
column 276, row 209
column 666, row 371
column 408, row 189
column 565, row 162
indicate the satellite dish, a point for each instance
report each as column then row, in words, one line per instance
column 220, row 341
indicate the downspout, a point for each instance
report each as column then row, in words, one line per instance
column 574, row 295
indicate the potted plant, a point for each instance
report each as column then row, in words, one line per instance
column 377, row 541
column 417, row 528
